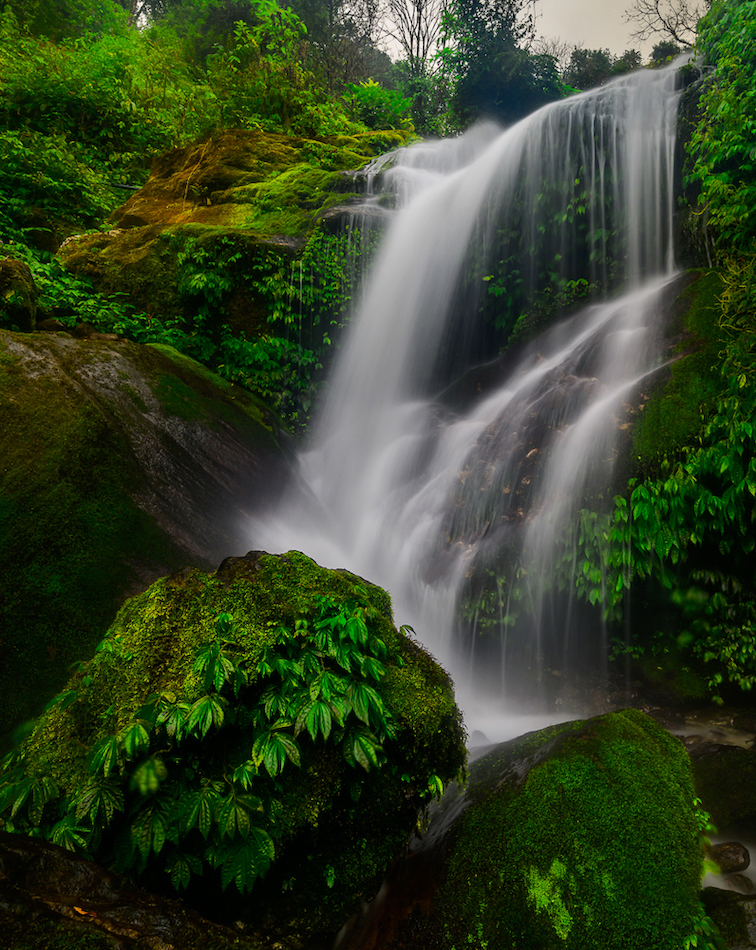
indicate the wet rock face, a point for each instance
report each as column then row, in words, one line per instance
column 734, row 915
column 120, row 463
column 730, row 856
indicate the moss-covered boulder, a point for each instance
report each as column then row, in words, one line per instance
column 262, row 736
column 243, row 201
column 580, row 836
column 118, row 464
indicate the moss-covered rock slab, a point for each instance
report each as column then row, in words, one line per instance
column 582, row 835
column 244, row 194
column 261, row 737
column 118, row 463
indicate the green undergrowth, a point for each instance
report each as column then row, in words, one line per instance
column 597, row 845
column 230, row 726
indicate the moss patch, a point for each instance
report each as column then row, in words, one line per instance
column 595, row 846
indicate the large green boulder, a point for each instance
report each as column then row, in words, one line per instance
column 119, row 463
column 261, row 737
column 583, row 835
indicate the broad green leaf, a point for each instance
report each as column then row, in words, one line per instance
column 67, row 834
column 173, row 717
column 44, row 790
column 245, row 774
column 99, row 800
column 232, row 816
column 104, row 756
column 180, row 867
column 148, row 777
column 148, row 830
column 134, row 740
column 207, row 712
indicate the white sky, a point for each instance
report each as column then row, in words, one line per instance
column 596, row 24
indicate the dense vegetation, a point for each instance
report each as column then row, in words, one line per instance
column 92, row 91
column 203, row 742
column 680, row 540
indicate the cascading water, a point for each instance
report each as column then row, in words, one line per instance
column 442, row 503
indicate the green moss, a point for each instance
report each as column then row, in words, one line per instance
column 320, row 872
column 596, row 847
column 288, row 202
column 676, row 411
column 192, row 391
column 73, row 540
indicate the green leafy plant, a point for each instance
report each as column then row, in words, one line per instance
column 722, row 154
column 378, row 107
column 147, row 801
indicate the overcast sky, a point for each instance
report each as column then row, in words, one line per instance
column 596, row 24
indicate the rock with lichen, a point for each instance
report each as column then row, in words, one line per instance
column 260, row 738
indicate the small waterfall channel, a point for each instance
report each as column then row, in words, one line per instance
column 443, row 499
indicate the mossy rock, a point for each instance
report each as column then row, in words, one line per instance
column 329, row 817
column 120, row 463
column 734, row 915
column 582, row 835
column 249, row 195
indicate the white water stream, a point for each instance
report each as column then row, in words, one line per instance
column 415, row 497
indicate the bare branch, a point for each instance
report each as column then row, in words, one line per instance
column 415, row 26
column 671, row 19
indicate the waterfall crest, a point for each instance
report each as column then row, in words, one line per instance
column 420, row 497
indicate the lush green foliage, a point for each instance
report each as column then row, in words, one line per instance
column 592, row 67
column 722, row 150
column 690, row 528
column 377, row 107
column 316, row 683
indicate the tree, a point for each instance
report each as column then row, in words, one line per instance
column 674, row 20
column 663, row 52
column 416, row 27
column 487, row 59
column 555, row 47
column 588, row 68
column 592, row 67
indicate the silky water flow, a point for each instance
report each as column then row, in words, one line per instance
column 443, row 504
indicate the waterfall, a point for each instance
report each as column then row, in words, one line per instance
column 442, row 500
